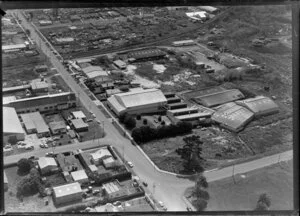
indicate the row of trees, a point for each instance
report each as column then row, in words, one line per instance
column 146, row 133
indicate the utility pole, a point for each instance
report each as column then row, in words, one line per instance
column 233, row 174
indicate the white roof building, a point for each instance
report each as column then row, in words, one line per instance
column 138, row 101
column 67, row 193
column 8, row 99
column 12, row 124
column 45, row 162
column 65, row 40
column 13, row 47
column 101, row 154
column 199, row 15
column 78, row 115
column 79, row 176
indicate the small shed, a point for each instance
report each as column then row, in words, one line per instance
column 80, row 176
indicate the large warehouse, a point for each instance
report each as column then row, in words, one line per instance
column 218, row 97
column 145, row 55
column 260, row 105
column 12, row 128
column 137, row 102
column 232, row 116
column 68, row 193
column 44, row 103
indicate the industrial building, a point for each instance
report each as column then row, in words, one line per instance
column 44, row 103
column 57, row 127
column 47, row 165
column 12, row 127
column 145, row 55
column 67, row 193
column 110, row 92
column 120, row 64
column 111, row 187
column 68, row 163
column 80, row 176
column 260, row 105
column 137, row 102
column 219, row 97
column 35, row 123
column 184, row 43
column 232, row 116
column 79, row 125
column 197, row 15
column 209, row 9
column 38, row 86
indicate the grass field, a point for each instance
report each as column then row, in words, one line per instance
column 276, row 181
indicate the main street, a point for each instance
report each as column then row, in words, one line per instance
column 165, row 187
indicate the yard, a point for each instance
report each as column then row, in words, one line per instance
column 30, row 204
column 276, row 181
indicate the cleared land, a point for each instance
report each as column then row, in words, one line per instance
column 276, row 181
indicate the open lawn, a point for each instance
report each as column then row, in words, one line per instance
column 276, row 181
column 30, row 204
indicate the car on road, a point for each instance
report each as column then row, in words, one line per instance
column 44, row 145
column 130, row 164
column 49, row 154
column 145, row 184
column 162, row 205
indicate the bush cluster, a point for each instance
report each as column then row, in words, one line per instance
column 145, row 133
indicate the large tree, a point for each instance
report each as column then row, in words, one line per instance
column 24, row 165
column 263, row 203
column 191, row 153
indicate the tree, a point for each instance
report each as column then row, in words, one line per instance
column 159, row 118
column 191, row 153
column 202, row 196
column 138, row 117
column 145, row 121
column 264, row 202
column 24, row 165
column 122, row 117
column 130, row 122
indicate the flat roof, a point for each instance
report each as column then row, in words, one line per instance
column 13, row 46
column 79, row 123
column 57, row 125
column 78, row 114
column 94, row 74
column 35, row 121
column 79, row 175
column 193, row 115
column 8, row 99
column 146, row 53
column 183, row 41
column 182, row 110
column 92, row 68
column 39, row 85
column 11, row 122
column 67, row 189
column 120, row 63
column 111, row 187
column 16, row 88
column 101, row 153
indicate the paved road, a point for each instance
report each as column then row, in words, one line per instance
column 164, row 187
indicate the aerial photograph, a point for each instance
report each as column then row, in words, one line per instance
column 147, row 109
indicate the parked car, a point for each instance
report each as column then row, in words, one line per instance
column 42, row 145
column 29, row 147
column 49, row 154
column 145, row 184
column 96, row 192
column 130, row 164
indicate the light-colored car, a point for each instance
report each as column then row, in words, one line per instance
column 130, row 164
column 29, row 147
column 162, row 205
column 7, row 148
column 42, row 145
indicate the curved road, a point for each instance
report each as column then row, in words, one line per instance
column 165, row 187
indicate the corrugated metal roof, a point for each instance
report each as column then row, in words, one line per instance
column 259, row 105
column 13, row 46
column 11, row 122
column 140, row 98
column 46, row 161
column 218, row 98
column 188, row 109
column 43, row 100
column 67, row 189
column 233, row 117
column 146, row 53
column 183, row 41
column 193, row 115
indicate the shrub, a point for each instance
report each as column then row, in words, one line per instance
column 138, row 117
column 159, row 118
column 24, row 165
column 122, row 117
